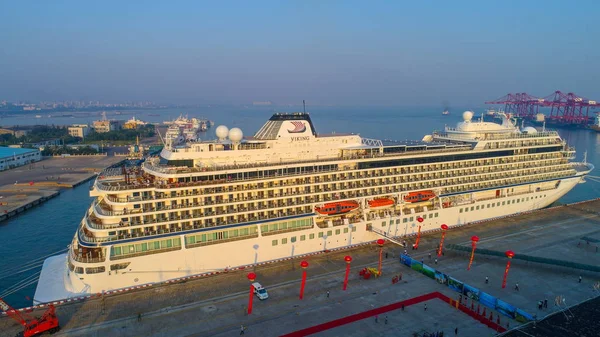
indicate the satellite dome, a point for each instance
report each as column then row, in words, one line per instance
column 222, row 132
column 236, row 135
column 529, row 130
column 467, row 116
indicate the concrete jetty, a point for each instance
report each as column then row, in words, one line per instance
column 217, row 305
column 27, row 186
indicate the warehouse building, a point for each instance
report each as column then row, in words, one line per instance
column 11, row 157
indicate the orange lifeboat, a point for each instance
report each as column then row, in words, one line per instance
column 381, row 202
column 334, row 208
column 419, row 196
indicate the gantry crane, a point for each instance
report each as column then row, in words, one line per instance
column 33, row 326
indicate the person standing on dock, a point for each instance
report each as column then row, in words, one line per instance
column 242, row 329
column 327, row 293
column 487, row 280
column 516, row 286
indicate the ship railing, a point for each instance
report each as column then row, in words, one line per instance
column 185, row 170
column 494, row 136
column 121, row 186
column 499, row 183
column 149, row 252
column 346, row 195
column 212, row 242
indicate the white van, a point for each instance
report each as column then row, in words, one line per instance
column 260, row 292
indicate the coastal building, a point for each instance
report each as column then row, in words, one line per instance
column 11, row 157
column 106, row 125
column 79, row 130
column 133, row 123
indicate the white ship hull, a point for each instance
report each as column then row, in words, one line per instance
column 57, row 283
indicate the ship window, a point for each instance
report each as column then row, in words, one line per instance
column 477, row 207
column 311, row 236
column 320, row 234
column 503, row 203
column 78, row 270
column 383, row 224
column 302, row 237
column 430, row 216
column 472, row 208
column 337, row 232
column 116, row 251
column 411, row 219
column 397, row 221
column 345, row 230
column 460, row 210
column 329, row 233
column 264, row 228
column 274, row 243
column 436, row 215
column 354, row 229
column 518, row 200
column 293, row 239
column 404, row 220
column 144, row 247
column 94, row 270
column 119, row 266
column 283, row 241
column 498, row 203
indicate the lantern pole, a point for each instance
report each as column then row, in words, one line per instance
column 416, row 245
column 380, row 243
column 251, row 278
column 444, row 228
column 509, row 254
column 348, row 259
column 304, row 265
column 474, row 240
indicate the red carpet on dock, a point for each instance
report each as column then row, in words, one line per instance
column 381, row 310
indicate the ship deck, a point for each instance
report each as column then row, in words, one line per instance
column 215, row 306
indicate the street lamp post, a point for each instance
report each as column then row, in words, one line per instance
column 474, row 240
column 380, row 243
column 251, row 278
column 416, row 245
column 304, row 265
column 444, row 229
column 510, row 254
column 348, row 259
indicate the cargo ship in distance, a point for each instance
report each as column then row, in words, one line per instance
column 236, row 201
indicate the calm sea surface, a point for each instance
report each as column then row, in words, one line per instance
column 50, row 227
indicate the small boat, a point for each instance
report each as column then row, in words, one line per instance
column 419, row 196
column 445, row 112
column 381, row 202
column 334, row 208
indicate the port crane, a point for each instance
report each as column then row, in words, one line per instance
column 33, row 326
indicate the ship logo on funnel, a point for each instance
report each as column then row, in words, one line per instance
column 299, row 127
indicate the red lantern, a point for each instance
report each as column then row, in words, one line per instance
column 510, row 254
column 444, row 228
column 380, row 242
column 251, row 278
column 419, row 219
column 474, row 240
column 304, row 265
column 348, row 259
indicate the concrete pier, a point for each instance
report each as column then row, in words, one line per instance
column 216, row 306
column 27, row 186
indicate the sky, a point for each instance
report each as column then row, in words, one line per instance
column 394, row 53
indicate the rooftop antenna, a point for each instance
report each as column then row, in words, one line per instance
column 304, row 106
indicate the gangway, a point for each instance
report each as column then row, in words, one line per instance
column 384, row 234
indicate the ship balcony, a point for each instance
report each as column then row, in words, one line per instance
column 357, row 192
column 87, row 255
column 430, row 173
column 88, row 236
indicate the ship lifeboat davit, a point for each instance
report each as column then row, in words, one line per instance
column 419, row 196
column 334, row 208
column 381, row 203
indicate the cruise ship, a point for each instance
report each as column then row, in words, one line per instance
column 237, row 201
